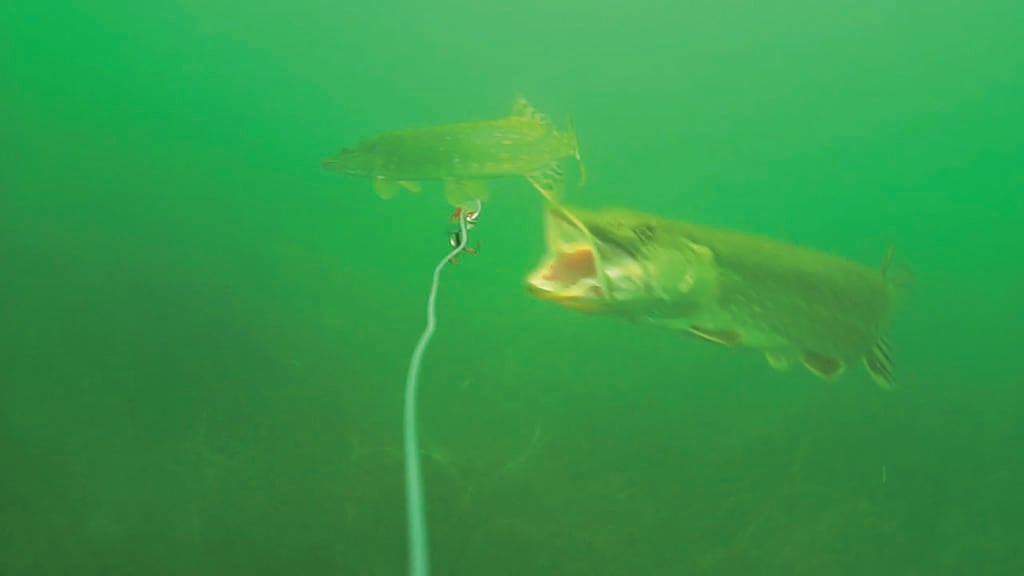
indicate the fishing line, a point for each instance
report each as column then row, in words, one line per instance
column 416, row 516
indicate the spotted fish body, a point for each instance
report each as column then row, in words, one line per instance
column 794, row 304
column 463, row 155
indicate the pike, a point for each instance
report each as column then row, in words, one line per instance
column 463, row 155
column 791, row 303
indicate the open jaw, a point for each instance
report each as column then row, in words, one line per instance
column 571, row 272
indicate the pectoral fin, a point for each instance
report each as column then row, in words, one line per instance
column 826, row 367
column 549, row 181
column 459, row 191
column 726, row 337
column 879, row 364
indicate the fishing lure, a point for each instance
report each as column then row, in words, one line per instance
column 419, row 557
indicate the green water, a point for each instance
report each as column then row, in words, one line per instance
column 204, row 335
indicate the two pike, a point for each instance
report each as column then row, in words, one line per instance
column 791, row 303
column 464, row 155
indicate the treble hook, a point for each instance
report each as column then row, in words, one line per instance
column 467, row 219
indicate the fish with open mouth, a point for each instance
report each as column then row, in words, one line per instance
column 792, row 303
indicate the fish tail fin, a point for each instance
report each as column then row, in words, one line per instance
column 571, row 134
column 878, row 361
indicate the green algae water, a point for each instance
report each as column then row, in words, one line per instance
column 204, row 335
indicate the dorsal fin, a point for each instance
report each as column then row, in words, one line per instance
column 523, row 109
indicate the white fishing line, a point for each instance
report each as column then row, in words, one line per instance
column 416, row 516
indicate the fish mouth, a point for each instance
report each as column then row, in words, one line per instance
column 579, row 268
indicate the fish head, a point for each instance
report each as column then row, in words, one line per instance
column 356, row 160
column 620, row 262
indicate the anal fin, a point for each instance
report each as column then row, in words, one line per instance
column 410, row 186
column 459, row 191
column 549, row 181
column 878, row 361
column 726, row 337
column 826, row 367
column 385, row 188
column 778, row 360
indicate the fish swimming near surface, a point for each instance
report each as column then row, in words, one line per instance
column 463, row 155
column 793, row 304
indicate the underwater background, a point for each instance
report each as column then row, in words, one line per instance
column 204, row 335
